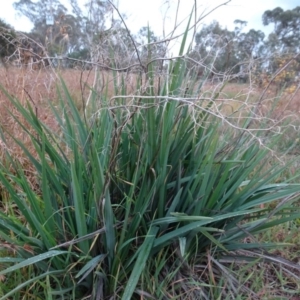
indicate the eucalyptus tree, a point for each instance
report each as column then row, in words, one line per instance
column 283, row 44
column 286, row 26
column 7, row 40
column 249, row 44
column 216, row 47
column 61, row 36
column 223, row 52
column 37, row 12
column 96, row 24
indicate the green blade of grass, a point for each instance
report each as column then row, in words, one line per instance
column 33, row 260
column 110, row 235
column 140, row 263
column 79, row 207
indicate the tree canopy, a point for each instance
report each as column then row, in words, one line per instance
column 92, row 32
column 7, row 36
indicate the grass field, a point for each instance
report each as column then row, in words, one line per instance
column 149, row 168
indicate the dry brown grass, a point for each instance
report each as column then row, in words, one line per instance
column 235, row 96
column 39, row 86
column 25, row 85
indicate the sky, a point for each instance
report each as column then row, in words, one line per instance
column 160, row 14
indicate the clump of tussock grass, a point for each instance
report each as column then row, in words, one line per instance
column 139, row 195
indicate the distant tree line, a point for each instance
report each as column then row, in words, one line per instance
column 240, row 53
column 76, row 39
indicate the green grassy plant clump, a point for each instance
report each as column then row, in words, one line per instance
column 139, row 197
